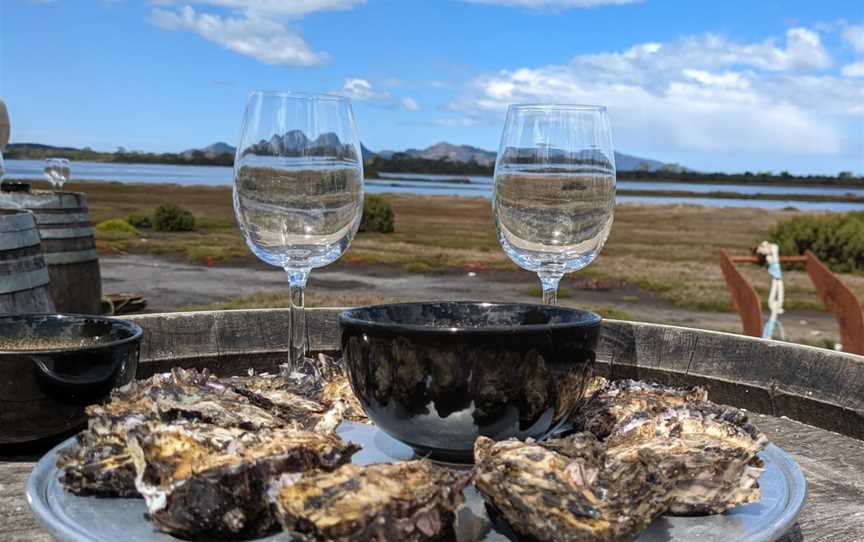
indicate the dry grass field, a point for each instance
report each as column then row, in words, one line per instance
column 668, row 249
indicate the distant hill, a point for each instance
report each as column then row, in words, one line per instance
column 211, row 151
column 24, row 147
column 454, row 153
column 466, row 153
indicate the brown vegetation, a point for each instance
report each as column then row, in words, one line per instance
column 669, row 249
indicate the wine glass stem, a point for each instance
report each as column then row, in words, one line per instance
column 297, row 317
column 550, row 288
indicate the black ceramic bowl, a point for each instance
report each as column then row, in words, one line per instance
column 437, row 375
column 52, row 366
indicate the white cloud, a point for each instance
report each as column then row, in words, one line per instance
column 854, row 36
column 554, row 4
column 856, row 69
column 410, row 104
column 286, row 8
column 256, row 28
column 699, row 93
column 360, row 89
column 265, row 40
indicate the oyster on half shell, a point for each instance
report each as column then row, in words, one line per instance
column 99, row 464
column 208, row 482
column 412, row 501
column 708, row 451
column 612, row 402
column 570, row 489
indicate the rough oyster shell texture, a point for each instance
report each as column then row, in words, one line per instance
column 612, row 402
column 707, row 450
column 412, row 501
column 99, row 464
column 206, row 482
column 698, row 458
column 571, row 490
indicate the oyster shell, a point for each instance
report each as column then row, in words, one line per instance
column 99, row 464
column 410, row 501
column 205, row 481
column 708, row 451
column 570, row 490
column 613, row 402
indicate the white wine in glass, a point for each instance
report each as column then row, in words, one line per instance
column 298, row 188
column 554, row 189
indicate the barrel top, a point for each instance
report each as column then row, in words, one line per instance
column 43, row 199
column 813, row 385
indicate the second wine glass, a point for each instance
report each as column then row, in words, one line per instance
column 298, row 188
column 554, row 189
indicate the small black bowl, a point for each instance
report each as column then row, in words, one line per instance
column 438, row 375
column 53, row 365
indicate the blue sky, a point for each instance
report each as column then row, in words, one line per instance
column 733, row 85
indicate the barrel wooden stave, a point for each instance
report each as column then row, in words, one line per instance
column 813, row 385
column 24, row 276
column 68, row 245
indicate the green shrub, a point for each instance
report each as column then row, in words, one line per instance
column 417, row 267
column 140, row 221
column 170, row 217
column 115, row 229
column 377, row 215
column 836, row 239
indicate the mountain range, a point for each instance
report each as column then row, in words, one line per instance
column 454, row 153
column 291, row 142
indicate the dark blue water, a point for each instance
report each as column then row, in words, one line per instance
column 406, row 183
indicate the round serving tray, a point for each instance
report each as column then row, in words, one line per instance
column 85, row 519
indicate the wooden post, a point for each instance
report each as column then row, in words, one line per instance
column 744, row 296
column 841, row 301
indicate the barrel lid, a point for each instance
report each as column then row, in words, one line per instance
column 43, row 199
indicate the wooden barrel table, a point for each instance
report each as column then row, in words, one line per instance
column 23, row 272
column 808, row 401
column 68, row 245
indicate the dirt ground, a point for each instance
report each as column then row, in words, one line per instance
column 172, row 285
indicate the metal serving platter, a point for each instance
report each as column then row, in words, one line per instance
column 85, row 519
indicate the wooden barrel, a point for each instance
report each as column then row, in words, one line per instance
column 68, row 245
column 23, row 272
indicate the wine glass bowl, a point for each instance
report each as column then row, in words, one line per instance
column 554, row 189
column 57, row 171
column 298, row 186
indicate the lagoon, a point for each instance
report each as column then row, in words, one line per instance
column 427, row 184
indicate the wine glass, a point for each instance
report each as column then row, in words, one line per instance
column 298, row 188
column 57, row 171
column 554, row 189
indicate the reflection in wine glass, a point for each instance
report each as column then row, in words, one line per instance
column 554, row 189
column 298, row 188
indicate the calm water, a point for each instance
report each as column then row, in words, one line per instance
column 412, row 184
